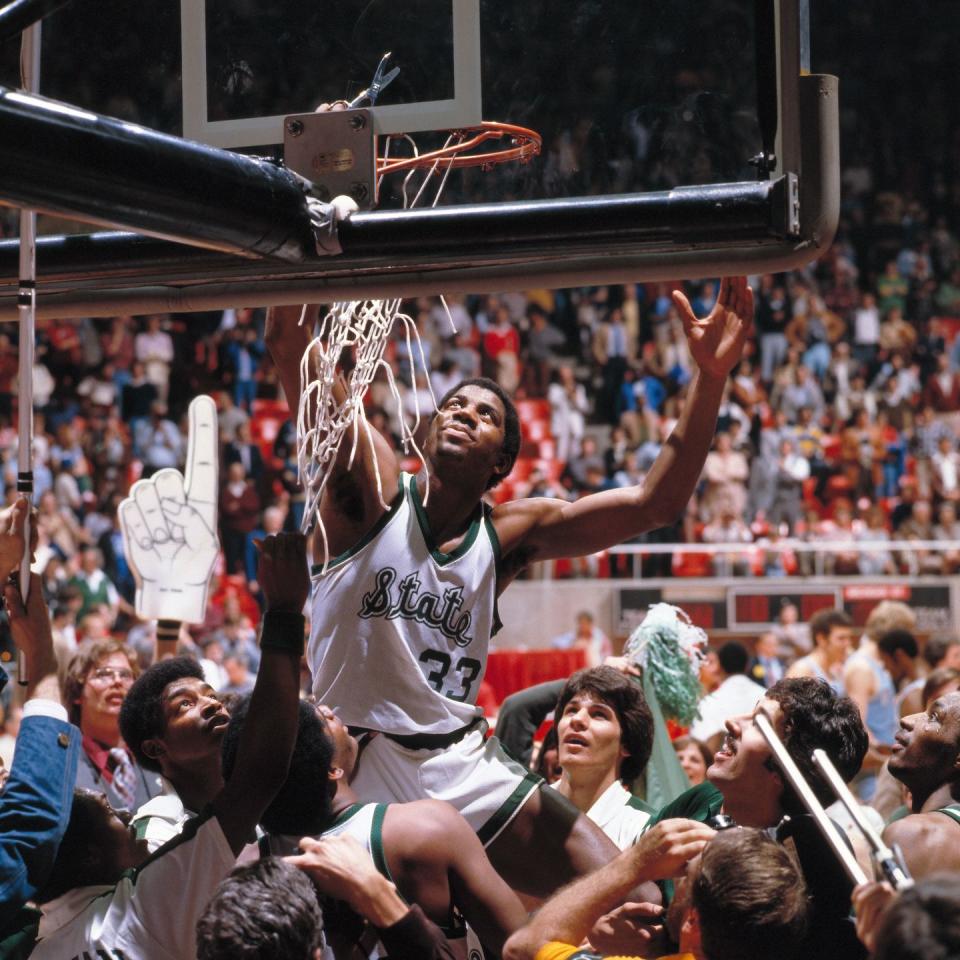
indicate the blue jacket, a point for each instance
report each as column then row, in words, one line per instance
column 35, row 808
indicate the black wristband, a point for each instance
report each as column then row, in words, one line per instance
column 282, row 630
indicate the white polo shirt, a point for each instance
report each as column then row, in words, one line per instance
column 151, row 914
column 619, row 814
column 161, row 818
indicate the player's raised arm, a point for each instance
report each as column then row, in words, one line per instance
column 545, row 529
column 351, row 503
column 263, row 754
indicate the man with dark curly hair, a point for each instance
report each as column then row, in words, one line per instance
column 745, row 783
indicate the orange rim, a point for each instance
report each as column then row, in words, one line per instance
column 524, row 146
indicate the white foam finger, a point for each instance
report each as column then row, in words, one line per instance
column 170, row 486
column 135, row 531
column 146, row 499
column 201, row 468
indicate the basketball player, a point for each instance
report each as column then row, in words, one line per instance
column 405, row 608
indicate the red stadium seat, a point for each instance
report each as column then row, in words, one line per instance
column 692, row 565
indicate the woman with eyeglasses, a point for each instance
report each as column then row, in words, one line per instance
column 98, row 678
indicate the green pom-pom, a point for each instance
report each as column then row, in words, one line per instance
column 668, row 648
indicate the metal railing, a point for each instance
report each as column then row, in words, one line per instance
column 730, row 554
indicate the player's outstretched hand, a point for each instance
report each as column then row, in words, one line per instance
column 716, row 341
column 665, row 849
column 283, row 572
column 169, row 525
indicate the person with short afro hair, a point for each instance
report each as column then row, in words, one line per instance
column 141, row 716
column 302, row 806
column 174, row 723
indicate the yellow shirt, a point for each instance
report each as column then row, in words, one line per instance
column 565, row 951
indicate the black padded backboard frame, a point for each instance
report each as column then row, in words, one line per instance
column 781, row 220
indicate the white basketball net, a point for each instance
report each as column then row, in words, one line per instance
column 363, row 326
column 322, row 420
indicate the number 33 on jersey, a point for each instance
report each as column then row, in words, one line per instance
column 405, row 647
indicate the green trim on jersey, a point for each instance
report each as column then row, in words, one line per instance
column 376, row 841
column 343, row 816
column 698, row 803
column 639, row 804
column 951, row 810
column 465, row 544
column 190, row 830
column 382, row 521
column 489, row 831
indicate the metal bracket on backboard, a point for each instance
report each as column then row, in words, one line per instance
column 336, row 151
column 793, row 205
column 786, row 207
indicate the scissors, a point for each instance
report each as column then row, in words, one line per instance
column 380, row 80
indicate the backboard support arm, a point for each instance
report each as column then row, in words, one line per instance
column 719, row 229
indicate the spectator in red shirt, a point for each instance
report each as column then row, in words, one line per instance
column 501, row 346
column 942, row 391
column 239, row 514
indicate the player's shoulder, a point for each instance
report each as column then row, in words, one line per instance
column 423, row 822
column 858, row 666
column 918, row 828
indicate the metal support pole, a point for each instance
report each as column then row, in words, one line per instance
column 27, row 307
column 898, row 877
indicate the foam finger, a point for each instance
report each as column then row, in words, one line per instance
column 196, row 534
column 136, row 534
column 200, row 480
column 147, row 501
column 170, row 486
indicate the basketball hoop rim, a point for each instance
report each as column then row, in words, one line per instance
column 525, row 146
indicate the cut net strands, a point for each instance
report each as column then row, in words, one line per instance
column 363, row 326
column 322, row 420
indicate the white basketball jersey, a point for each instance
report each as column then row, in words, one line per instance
column 399, row 630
